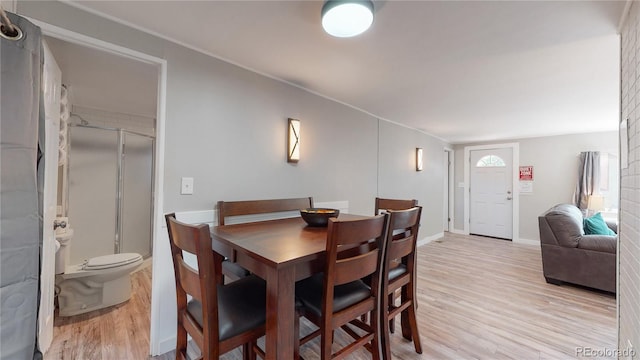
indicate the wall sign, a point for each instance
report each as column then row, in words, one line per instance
column 526, row 173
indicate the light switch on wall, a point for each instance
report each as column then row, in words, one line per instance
column 187, row 186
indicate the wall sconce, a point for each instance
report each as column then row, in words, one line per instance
column 418, row 159
column 293, row 141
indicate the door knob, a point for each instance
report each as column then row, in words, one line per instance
column 509, row 198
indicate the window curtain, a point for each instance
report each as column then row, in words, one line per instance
column 20, row 212
column 588, row 178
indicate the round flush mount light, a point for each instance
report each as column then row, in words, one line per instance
column 346, row 18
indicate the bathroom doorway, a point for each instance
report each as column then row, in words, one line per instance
column 104, row 82
column 107, row 169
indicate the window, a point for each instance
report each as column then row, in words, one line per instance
column 491, row 161
column 609, row 181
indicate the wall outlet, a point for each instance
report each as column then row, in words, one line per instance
column 186, row 187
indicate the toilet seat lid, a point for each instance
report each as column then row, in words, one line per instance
column 111, row 261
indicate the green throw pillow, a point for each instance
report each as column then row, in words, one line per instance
column 596, row 225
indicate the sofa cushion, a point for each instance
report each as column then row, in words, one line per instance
column 565, row 221
column 602, row 243
column 595, row 225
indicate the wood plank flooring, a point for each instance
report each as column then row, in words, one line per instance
column 479, row 298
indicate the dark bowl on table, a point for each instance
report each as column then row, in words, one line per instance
column 318, row 216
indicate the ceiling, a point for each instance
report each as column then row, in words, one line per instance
column 103, row 81
column 463, row 71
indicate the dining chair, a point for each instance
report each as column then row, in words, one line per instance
column 336, row 298
column 399, row 273
column 218, row 317
column 236, row 209
column 393, row 204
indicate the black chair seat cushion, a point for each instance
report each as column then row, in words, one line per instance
column 230, row 267
column 309, row 292
column 241, row 306
column 397, row 271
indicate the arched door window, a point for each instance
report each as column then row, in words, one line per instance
column 490, row 161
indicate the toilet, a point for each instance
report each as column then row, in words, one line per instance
column 94, row 284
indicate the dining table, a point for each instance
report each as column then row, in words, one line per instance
column 281, row 252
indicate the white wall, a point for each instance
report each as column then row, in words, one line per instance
column 398, row 178
column 555, row 170
column 226, row 128
column 629, row 241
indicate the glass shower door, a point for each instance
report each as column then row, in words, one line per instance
column 136, row 204
column 93, row 181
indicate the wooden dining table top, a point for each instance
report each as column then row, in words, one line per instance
column 281, row 242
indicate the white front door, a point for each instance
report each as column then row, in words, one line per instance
column 51, row 83
column 491, row 193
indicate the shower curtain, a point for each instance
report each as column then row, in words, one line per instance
column 20, row 187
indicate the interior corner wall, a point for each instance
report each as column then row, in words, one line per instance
column 555, row 172
column 226, row 128
column 398, row 178
column 628, row 295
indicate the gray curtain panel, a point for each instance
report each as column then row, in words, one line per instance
column 588, row 178
column 20, row 217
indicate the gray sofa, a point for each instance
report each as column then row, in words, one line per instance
column 568, row 255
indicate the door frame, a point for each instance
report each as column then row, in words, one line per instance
column 49, row 202
column 515, row 155
column 449, row 188
column 158, row 196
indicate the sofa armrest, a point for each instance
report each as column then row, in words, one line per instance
column 602, row 243
column 613, row 225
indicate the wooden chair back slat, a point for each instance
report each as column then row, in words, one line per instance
column 357, row 267
column 255, row 207
column 400, row 248
column 393, row 204
column 189, row 279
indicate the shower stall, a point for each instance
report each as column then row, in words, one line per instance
column 110, row 188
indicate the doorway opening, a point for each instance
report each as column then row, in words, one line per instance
column 118, row 114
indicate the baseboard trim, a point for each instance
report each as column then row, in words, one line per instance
column 428, row 239
column 458, row 231
column 527, row 242
column 166, row 345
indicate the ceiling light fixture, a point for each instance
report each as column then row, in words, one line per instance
column 347, row 18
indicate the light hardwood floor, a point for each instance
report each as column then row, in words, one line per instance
column 479, row 298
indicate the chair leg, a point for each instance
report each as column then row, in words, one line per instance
column 296, row 336
column 409, row 319
column 378, row 344
column 181, row 343
column 246, row 351
column 385, row 338
column 392, row 322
